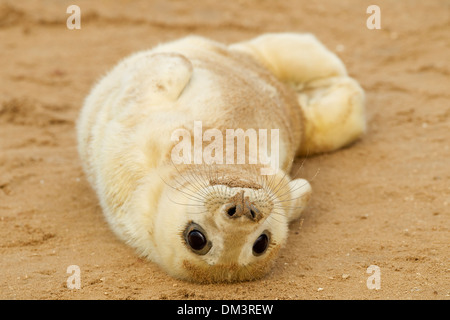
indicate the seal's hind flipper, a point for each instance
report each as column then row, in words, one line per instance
column 293, row 58
column 332, row 102
column 334, row 114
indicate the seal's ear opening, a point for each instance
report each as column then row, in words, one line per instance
column 300, row 194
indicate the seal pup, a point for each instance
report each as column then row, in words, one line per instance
column 213, row 222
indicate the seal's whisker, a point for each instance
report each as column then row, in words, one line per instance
column 272, row 217
column 205, row 178
column 292, row 207
column 277, row 187
column 294, row 176
column 193, row 200
column 188, row 195
column 281, row 187
column 315, row 175
column 292, row 190
column 291, row 199
column 202, row 212
column 185, row 179
column 275, row 210
column 270, row 194
column 185, row 204
column 249, row 273
column 189, row 183
column 188, row 191
column 283, row 206
column 224, row 192
column 270, row 183
column 198, row 175
column 200, row 188
column 210, row 178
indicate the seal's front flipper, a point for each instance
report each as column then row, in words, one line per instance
column 332, row 102
column 159, row 76
column 300, row 193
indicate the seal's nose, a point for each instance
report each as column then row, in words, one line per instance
column 241, row 205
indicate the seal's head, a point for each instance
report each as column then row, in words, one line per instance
column 225, row 225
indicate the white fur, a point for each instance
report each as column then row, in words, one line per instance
column 127, row 120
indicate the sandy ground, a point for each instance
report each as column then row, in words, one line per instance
column 384, row 201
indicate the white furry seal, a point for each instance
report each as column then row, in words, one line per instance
column 212, row 223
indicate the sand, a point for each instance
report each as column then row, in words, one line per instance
column 384, row 201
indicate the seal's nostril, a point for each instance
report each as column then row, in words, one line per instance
column 231, row 211
column 253, row 214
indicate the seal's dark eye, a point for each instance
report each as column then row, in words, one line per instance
column 260, row 245
column 196, row 240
